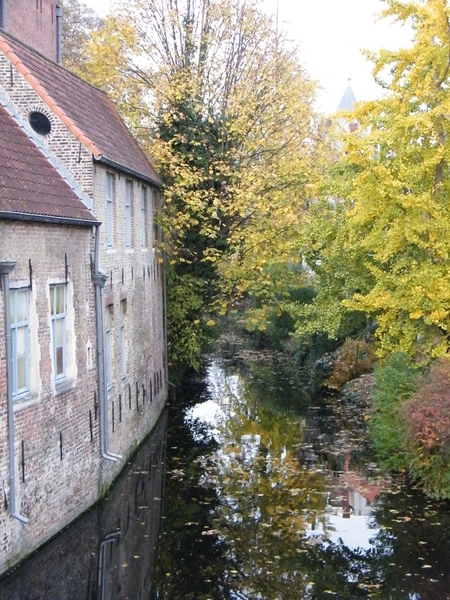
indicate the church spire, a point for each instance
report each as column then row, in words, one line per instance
column 348, row 99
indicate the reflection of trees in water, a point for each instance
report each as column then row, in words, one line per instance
column 250, row 499
column 413, row 544
column 408, row 559
column 191, row 564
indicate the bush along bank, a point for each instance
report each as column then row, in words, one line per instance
column 409, row 423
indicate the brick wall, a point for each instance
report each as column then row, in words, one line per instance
column 56, row 431
column 59, row 469
column 134, row 278
column 33, row 22
column 71, row 155
column 64, row 472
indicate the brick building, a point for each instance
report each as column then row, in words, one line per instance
column 82, row 340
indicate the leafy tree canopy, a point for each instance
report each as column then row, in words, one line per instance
column 398, row 217
column 78, row 21
column 220, row 100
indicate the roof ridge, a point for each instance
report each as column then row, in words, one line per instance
column 46, row 98
column 7, row 34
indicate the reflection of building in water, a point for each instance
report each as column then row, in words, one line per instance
column 352, row 492
column 110, row 553
column 346, row 517
column 355, row 503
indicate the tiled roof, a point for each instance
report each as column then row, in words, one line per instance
column 30, row 186
column 84, row 109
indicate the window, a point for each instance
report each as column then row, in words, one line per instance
column 40, row 122
column 58, row 318
column 109, row 208
column 123, row 357
column 108, row 310
column 144, row 217
column 154, row 225
column 128, row 199
column 18, row 300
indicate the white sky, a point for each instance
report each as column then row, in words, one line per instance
column 330, row 35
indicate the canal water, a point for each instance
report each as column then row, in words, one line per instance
column 269, row 493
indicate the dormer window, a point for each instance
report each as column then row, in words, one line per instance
column 40, row 122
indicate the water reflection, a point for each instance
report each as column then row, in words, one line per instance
column 270, row 497
column 110, row 553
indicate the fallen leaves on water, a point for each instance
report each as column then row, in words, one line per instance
column 210, row 532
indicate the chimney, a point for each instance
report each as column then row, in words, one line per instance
column 35, row 23
column 58, row 35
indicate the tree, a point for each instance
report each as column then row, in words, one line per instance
column 223, row 105
column 399, row 214
column 426, row 416
column 78, row 21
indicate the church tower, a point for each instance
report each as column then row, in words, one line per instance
column 37, row 23
column 347, row 102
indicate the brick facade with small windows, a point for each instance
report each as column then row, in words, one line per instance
column 56, row 430
column 72, row 433
column 133, row 289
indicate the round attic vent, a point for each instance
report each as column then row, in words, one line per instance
column 40, row 123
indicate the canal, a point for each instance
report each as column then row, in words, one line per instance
column 251, row 487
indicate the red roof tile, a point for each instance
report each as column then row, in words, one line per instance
column 30, row 186
column 84, row 109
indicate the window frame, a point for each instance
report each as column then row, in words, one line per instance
column 16, row 325
column 110, row 194
column 144, row 217
column 123, row 340
column 128, row 220
column 57, row 318
column 153, row 223
column 108, row 345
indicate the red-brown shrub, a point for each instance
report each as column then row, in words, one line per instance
column 427, row 413
column 427, row 418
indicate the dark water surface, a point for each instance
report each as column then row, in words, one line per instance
column 271, row 496
column 267, row 495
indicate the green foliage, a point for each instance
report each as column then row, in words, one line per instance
column 399, row 213
column 272, row 318
column 427, row 418
column 186, row 327
column 396, row 381
column 334, row 274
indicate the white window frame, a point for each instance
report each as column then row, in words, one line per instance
column 17, row 328
column 110, row 185
column 123, row 339
column 128, row 201
column 144, row 217
column 153, row 226
column 58, row 321
column 108, row 345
